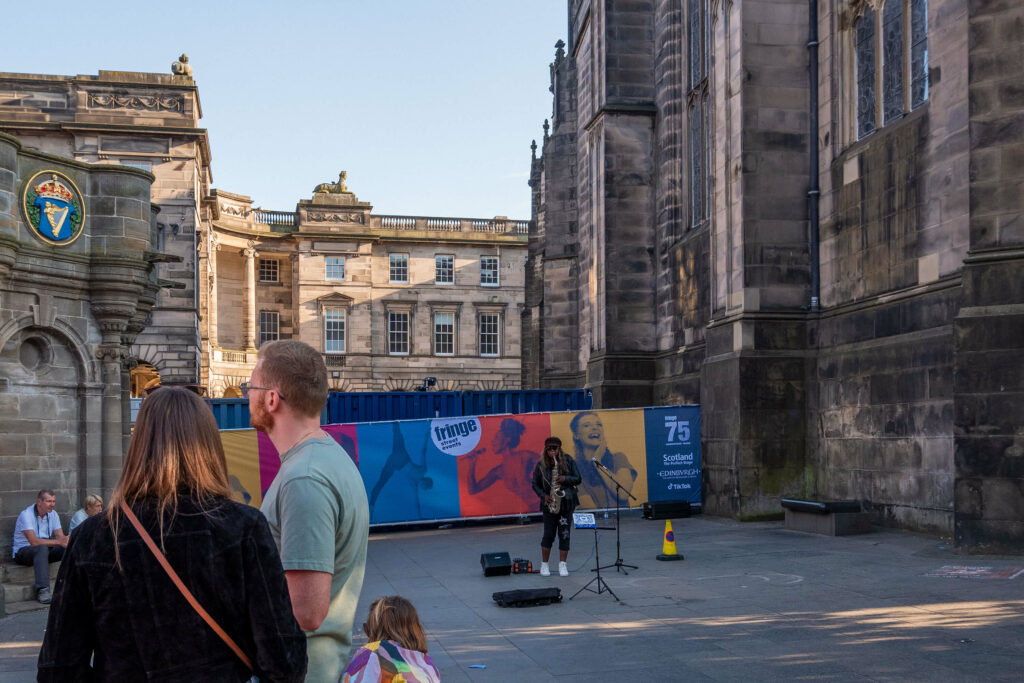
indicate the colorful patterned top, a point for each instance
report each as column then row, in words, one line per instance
column 388, row 662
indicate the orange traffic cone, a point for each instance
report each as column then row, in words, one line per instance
column 668, row 547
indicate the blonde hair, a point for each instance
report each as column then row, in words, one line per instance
column 394, row 618
column 175, row 448
column 298, row 371
column 91, row 499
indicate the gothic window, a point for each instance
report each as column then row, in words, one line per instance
column 891, row 58
column 698, row 133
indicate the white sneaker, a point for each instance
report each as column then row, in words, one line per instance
column 544, row 571
column 562, row 569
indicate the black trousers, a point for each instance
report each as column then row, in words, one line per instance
column 40, row 557
column 560, row 524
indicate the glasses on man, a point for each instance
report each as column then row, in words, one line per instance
column 246, row 387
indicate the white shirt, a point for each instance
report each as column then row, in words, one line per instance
column 29, row 520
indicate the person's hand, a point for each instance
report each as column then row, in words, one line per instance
column 547, row 500
column 560, row 479
column 63, row 540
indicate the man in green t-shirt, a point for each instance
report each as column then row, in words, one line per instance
column 316, row 505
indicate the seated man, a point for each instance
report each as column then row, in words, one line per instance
column 39, row 540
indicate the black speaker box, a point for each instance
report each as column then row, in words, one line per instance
column 666, row 509
column 496, row 564
column 528, row 597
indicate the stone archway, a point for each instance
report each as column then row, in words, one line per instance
column 232, row 392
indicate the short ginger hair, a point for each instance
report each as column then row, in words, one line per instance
column 298, row 372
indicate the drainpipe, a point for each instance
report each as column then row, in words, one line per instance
column 813, row 192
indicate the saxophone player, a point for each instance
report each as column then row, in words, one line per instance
column 555, row 479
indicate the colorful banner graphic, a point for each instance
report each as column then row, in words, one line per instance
column 462, row 467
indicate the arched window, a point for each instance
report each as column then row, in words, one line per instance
column 891, row 50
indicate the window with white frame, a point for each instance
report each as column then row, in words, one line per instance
column 334, row 330
column 398, row 333
column 399, row 267
column 444, row 333
column 270, row 325
column 891, row 58
column 334, row 268
column 489, row 271
column 268, row 270
column 444, row 269
column 490, row 334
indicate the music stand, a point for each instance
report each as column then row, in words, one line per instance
column 585, row 520
column 618, row 563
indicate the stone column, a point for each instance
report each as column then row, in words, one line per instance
column 249, row 321
column 211, row 299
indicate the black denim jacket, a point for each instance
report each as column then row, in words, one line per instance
column 135, row 625
column 542, row 482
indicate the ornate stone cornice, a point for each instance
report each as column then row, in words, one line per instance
column 121, row 101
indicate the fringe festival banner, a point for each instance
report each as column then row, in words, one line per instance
column 462, row 467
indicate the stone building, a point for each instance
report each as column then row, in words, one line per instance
column 142, row 120
column 270, row 278
column 390, row 300
column 806, row 217
column 76, row 287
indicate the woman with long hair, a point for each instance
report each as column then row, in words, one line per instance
column 555, row 479
column 589, row 446
column 118, row 616
column 397, row 650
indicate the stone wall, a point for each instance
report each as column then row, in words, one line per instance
column 893, row 382
column 68, row 315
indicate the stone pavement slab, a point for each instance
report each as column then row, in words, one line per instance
column 749, row 602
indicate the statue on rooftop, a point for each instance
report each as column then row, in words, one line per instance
column 333, row 188
column 182, row 67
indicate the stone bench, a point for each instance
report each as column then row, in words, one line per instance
column 831, row 518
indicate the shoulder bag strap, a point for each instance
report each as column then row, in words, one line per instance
column 181, row 587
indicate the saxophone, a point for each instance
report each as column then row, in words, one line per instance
column 557, row 494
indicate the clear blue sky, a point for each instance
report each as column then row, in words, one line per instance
column 430, row 105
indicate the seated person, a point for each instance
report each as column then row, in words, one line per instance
column 93, row 506
column 39, row 540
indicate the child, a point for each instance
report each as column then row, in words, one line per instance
column 397, row 650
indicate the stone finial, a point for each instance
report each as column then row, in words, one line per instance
column 182, row 67
column 333, row 188
column 559, row 51
column 533, row 149
column 546, row 128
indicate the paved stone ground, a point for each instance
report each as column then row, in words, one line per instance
column 749, row 602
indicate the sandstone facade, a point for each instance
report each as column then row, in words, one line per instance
column 675, row 256
column 69, row 314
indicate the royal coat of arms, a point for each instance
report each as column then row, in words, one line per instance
column 54, row 207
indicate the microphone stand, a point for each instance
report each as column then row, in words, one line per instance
column 618, row 564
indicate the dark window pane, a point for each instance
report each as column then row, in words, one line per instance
column 706, row 154
column 918, row 52
column 865, row 46
column 696, row 166
column 693, row 36
column 892, row 63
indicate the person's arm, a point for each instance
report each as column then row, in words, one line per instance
column 309, row 523
column 311, row 596
column 538, row 481
column 35, row 540
column 69, row 640
column 280, row 644
column 572, row 477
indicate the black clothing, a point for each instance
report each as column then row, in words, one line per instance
column 542, row 482
column 39, row 557
column 560, row 524
column 134, row 623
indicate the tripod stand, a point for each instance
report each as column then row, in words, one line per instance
column 602, row 585
column 618, row 563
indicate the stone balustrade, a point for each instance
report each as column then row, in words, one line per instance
column 491, row 225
